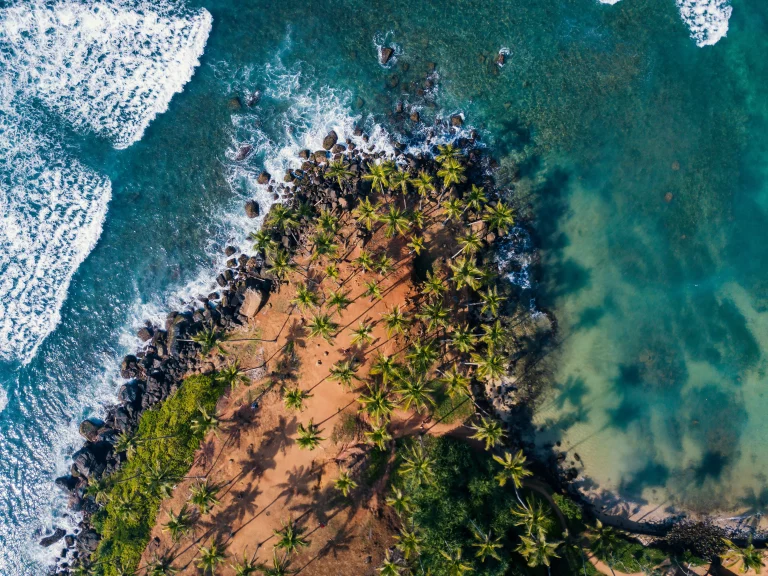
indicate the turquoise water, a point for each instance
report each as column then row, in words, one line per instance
column 599, row 112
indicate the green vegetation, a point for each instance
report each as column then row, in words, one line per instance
column 130, row 508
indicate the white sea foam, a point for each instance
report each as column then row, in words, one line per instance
column 706, row 19
column 104, row 67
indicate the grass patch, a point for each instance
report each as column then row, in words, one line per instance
column 349, row 428
column 125, row 522
column 449, row 410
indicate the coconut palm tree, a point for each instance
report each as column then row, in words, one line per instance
column 263, row 241
column 203, row 495
column 324, row 246
column 494, row 335
column 452, row 172
column 751, row 558
column 160, row 566
column 322, row 325
column 499, row 217
column 282, row 218
column 290, row 538
column 338, row 299
column 416, row 244
column 125, row 507
column 417, row 465
column 343, row 372
column 390, row 567
column 537, row 551
column 328, row 223
column 294, row 398
column 377, row 404
column 399, row 180
column 433, row 287
column 385, row 366
column 453, row 208
column 455, row 565
column 488, row 430
column 211, row 557
column 423, row 354
column 204, row 422
column 364, row 261
column 476, row 198
column 332, row 271
column 409, row 541
column 278, row 566
column 305, row 298
column 456, row 383
column 462, row 339
column 603, row 543
column 436, row 315
column 465, row 273
column 531, row 515
column 246, row 567
column 209, row 339
column 447, row 152
column 309, row 436
column 485, row 543
column 366, row 213
column 423, row 183
column 470, row 244
column 126, row 443
column 384, row 265
column 279, row 264
column 231, row 376
column 378, row 436
column 400, row 502
column 417, row 218
column 340, row 171
column 512, row 468
column 373, row 290
column 491, row 301
column 159, row 481
column 304, row 210
column 395, row 222
column 415, row 392
column 490, row 367
column 395, row 321
column 378, row 176
column 344, row 482
column 362, row 334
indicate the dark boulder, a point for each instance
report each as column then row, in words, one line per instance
column 221, row 280
column 89, row 429
column 91, row 460
column 58, row 534
column 69, row 540
column 415, row 116
column 457, row 120
column 67, row 483
column 330, row 140
column 129, row 393
column 253, row 99
column 264, row 178
column 88, row 540
column 385, row 54
column 129, row 367
column 252, row 209
column 230, row 250
column 243, row 153
column 145, row 334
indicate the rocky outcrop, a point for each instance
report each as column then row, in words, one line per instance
column 252, row 209
column 57, row 535
column 385, row 54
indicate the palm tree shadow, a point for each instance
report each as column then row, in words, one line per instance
column 297, row 483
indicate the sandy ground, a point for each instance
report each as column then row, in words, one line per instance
column 265, row 478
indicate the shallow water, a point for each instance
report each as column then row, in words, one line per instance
column 600, row 110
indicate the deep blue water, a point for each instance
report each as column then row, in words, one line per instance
column 118, row 151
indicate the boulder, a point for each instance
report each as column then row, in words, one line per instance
column 67, row 483
column 89, row 429
column 253, row 99
column 385, row 54
column 230, row 250
column 69, row 540
column 252, row 302
column 58, row 534
column 415, row 116
column 457, row 120
column 501, row 58
column 128, row 393
column 129, row 367
column 144, row 334
column 243, row 153
column 252, row 209
column 90, row 460
column 264, row 177
column 88, row 540
column 330, row 140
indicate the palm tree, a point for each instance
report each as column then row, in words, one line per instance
column 160, row 566
column 499, row 217
column 231, row 376
column 290, row 538
column 423, row 354
column 456, row 383
column 531, row 515
column 456, row 566
column 489, row 431
column 204, row 496
column 294, row 398
column 377, row 404
column 344, row 482
column 485, row 543
column 309, row 436
column 344, row 372
column 751, row 559
column 340, row 171
column 278, row 567
column 386, row 367
column 126, row 443
column 378, row 175
column 512, row 468
column 452, row 172
column 603, row 543
column 378, row 436
column 476, row 198
column 366, row 213
column 447, row 152
column 280, row 264
column 384, row 265
column 204, row 423
column 408, row 542
column 423, row 184
column 416, row 392
column 436, row 314
column 465, row 273
column 332, row 272
column 463, row 339
column 395, row 321
column 433, row 287
column 399, row 179
column 395, row 222
column 328, row 223
column 389, row 567
column 159, row 480
column 246, row 567
column 322, row 325
column 417, row 465
column 305, row 298
column 364, row 261
column 362, row 334
column 470, row 244
column 537, row 552
column 400, row 502
column 453, row 209
column 339, row 299
column 494, row 335
column 263, row 241
column 491, row 301
column 490, row 367
column 416, row 244
column 208, row 339
column 417, row 219
column 124, row 507
column 324, row 246
column 282, row 218
column 372, row 290
column 211, row 557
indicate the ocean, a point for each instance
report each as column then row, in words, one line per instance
column 633, row 129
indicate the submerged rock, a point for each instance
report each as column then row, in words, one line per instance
column 385, row 54
column 243, row 153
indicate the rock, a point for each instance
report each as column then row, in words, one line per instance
column 252, row 303
column 253, row 99
column 58, row 534
column 69, row 540
column 393, row 81
column 264, row 177
column 123, row 420
column 415, row 116
column 668, row 197
column 89, row 430
column 385, row 54
column 128, row 393
column 243, row 153
column 252, row 209
column 234, row 103
column 90, row 460
column 230, row 250
column 330, row 140
column 129, row 367
column 457, row 120
column 88, row 540
column 67, row 483
column 232, row 263
column 144, row 334
column 359, row 103
column 501, row 58
column 304, row 154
